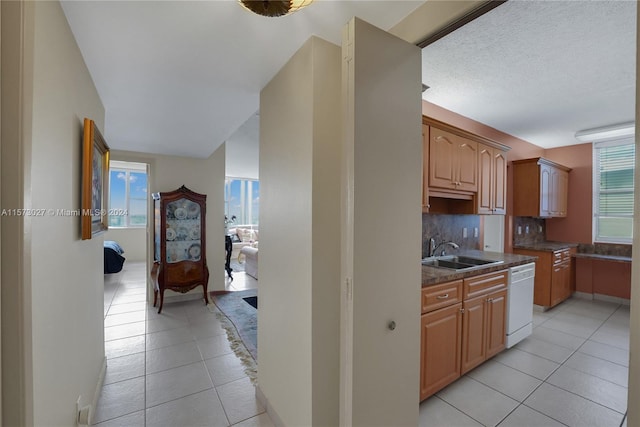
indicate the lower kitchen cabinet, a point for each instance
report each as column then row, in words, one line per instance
column 440, row 349
column 553, row 281
column 460, row 332
column 483, row 330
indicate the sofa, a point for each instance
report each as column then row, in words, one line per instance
column 243, row 236
column 250, row 256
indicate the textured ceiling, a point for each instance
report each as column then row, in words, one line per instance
column 539, row 70
column 179, row 77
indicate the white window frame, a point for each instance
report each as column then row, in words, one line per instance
column 630, row 140
column 127, row 168
column 246, row 208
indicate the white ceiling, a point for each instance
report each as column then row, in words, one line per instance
column 539, row 70
column 180, row 77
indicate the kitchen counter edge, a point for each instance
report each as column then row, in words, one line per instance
column 433, row 275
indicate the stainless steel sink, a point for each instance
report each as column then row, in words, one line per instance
column 458, row 262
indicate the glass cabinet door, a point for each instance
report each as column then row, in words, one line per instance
column 183, row 231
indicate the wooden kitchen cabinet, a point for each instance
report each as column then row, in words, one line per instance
column 453, row 161
column 463, row 324
column 553, row 280
column 492, row 181
column 540, row 188
column 484, row 318
column 440, row 349
column 440, row 336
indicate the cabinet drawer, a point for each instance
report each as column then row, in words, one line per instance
column 442, row 295
column 563, row 255
column 479, row 285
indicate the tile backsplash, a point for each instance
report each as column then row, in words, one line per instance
column 450, row 228
column 527, row 230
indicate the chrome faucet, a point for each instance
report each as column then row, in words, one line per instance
column 433, row 247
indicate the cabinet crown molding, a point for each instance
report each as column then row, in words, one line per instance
column 463, row 133
column 543, row 161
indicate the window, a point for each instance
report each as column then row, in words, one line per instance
column 613, row 169
column 127, row 194
column 242, row 200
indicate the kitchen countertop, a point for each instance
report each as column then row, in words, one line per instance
column 604, row 257
column 546, row 246
column 434, row 275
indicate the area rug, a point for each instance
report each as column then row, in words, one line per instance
column 252, row 301
column 242, row 319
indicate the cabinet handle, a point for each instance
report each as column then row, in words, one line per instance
column 462, row 311
column 489, row 299
column 445, row 296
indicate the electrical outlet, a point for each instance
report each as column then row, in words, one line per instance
column 539, row 229
column 526, row 229
column 519, row 230
column 475, row 232
column 464, row 232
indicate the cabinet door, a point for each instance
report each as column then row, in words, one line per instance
column 467, row 170
column 440, row 349
column 545, row 190
column 442, row 159
column 485, row 179
column 473, row 333
column 496, row 322
column 554, row 194
column 499, row 182
column 425, row 168
column 562, row 193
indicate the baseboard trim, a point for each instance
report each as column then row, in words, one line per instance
column 98, row 390
column 601, row 297
column 265, row 402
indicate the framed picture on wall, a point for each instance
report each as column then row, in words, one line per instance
column 95, row 182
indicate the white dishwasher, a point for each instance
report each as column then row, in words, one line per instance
column 520, row 303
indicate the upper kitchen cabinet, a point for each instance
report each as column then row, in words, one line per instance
column 540, row 188
column 492, row 180
column 463, row 173
column 453, row 161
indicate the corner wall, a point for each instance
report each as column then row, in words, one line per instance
column 578, row 225
column 298, row 320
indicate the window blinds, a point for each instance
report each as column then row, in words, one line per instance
column 613, row 187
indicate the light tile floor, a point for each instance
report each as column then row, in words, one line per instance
column 571, row 371
column 170, row 369
column 176, row 368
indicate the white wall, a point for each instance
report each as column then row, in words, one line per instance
column 205, row 176
column 242, row 152
column 62, row 282
column 383, row 188
column 132, row 240
column 298, row 327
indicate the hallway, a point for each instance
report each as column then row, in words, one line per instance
column 170, row 369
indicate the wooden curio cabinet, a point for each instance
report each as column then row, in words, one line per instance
column 180, row 262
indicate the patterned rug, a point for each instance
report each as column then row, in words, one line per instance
column 243, row 318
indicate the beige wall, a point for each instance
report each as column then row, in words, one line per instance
column 298, row 320
column 132, row 240
column 382, row 181
column 206, row 176
column 62, row 283
column 17, row 69
column 634, row 335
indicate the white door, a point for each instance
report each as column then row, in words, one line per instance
column 381, row 270
column 494, row 233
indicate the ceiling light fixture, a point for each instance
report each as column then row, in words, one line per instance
column 273, row 8
column 606, row 132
